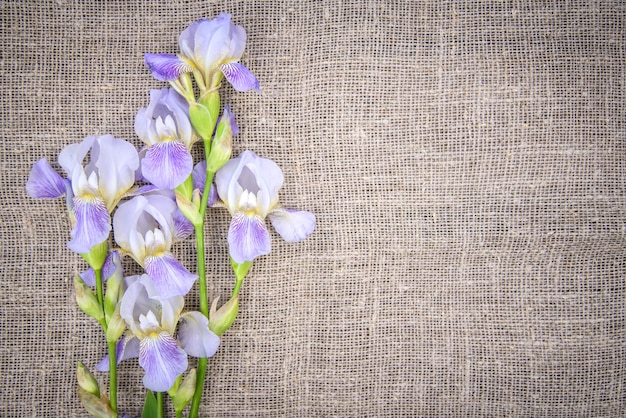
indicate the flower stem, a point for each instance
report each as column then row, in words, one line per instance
column 204, row 309
column 159, row 399
column 112, row 376
column 202, row 286
column 197, row 396
column 110, row 345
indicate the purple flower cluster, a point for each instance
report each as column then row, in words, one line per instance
column 147, row 218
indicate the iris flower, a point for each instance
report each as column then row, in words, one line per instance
column 211, row 48
column 248, row 186
column 152, row 321
column 145, row 227
column 165, row 128
column 91, row 191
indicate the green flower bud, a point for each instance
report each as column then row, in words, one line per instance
column 86, row 300
column 220, row 320
column 113, row 294
column 186, row 187
column 202, row 120
column 222, row 146
column 211, row 100
column 190, row 208
column 185, row 391
column 96, row 256
column 95, row 405
column 115, row 327
column 86, row 380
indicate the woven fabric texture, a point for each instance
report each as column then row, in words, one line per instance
column 466, row 161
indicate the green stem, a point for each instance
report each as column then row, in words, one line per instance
column 159, row 399
column 204, row 309
column 238, row 283
column 197, row 396
column 202, row 286
column 110, row 346
column 112, row 375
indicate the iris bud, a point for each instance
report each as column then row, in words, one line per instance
column 190, row 208
column 95, row 405
column 86, row 380
column 185, row 391
column 86, row 300
column 202, row 120
column 115, row 327
column 211, row 100
column 222, row 146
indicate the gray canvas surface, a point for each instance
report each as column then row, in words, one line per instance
column 465, row 160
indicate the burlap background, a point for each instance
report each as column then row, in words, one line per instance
column 466, row 162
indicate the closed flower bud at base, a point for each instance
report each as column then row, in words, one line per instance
column 185, row 391
column 96, row 406
column 86, row 380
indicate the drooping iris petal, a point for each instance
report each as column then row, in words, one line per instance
column 182, row 226
column 127, row 347
column 293, row 226
column 198, row 175
column 195, row 337
column 163, row 361
column 239, row 76
column 199, row 180
column 166, row 67
column 167, row 164
column 93, row 224
column 170, row 277
column 248, row 237
column 44, row 182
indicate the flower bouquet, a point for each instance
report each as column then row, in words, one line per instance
column 153, row 198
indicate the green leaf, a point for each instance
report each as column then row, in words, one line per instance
column 150, row 407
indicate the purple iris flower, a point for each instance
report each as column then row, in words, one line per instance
column 145, row 227
column 165, row 128
column 152, row 321
column 211, row 47
column 92, row 191
column 248, row 186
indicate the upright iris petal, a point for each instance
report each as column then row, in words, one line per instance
column 248, row 186
column 213, row 48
